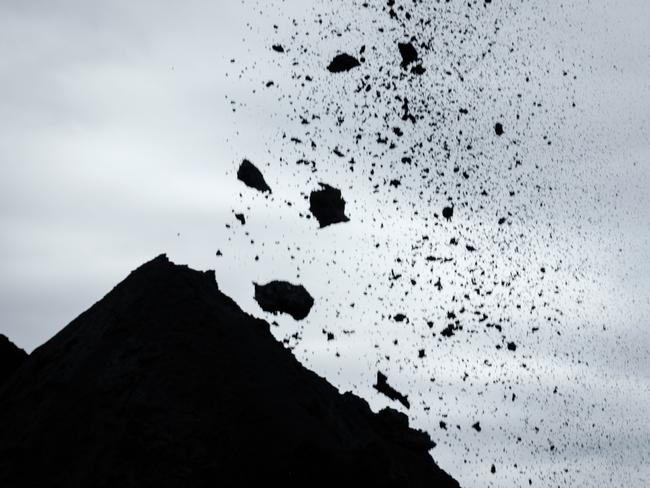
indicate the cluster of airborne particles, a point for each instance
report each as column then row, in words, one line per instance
column 422, row 157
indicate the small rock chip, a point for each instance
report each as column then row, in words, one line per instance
column 343, row 62
column 327, row 205
column 383, row 387
column 284, row 297
column 408, row 53
column 252, row 177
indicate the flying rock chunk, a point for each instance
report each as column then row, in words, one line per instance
column 327, row 205
column 252, row 177
column 408, row 53
column 281, row 296
column 384, row 388
column 343, row 62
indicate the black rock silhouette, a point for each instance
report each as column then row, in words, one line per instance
column 11, row 357
column 327, row 205
column 281, row 296
column 384, row 388
column 343, row 62
column 166, row 382
column 251, row 176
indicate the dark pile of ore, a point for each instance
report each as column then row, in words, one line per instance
column 166, row 382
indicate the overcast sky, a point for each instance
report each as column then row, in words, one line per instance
column 118, row 143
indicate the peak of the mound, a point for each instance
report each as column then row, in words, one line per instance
column 11, row 357
column 167, row 382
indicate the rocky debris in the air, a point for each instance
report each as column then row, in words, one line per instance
column 408, row 53
column 384, row 388
column 449, row 214
column 252, row 177
column 284, row 297
column 343, row 62
column 327, row 205
column 167, row 382
column 11, row 357
column 409, row 56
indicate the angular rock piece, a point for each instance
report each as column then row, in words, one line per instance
column 343, row 62
column 282, row 296
column 327, row 205
column 408, row 53
column 252, row 177
column 383, row 387
column 11, row 357
column 166, row 382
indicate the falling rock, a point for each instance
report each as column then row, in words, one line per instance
column 343, row 62
column 327, row 205
column 252, row 177
column 284, row 297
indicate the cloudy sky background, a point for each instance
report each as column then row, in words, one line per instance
column 118, row 142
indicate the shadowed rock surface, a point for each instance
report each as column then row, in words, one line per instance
column 327, row 205
column 284, row 297
column 11, row 357
column 166, row 382
column 252, row 177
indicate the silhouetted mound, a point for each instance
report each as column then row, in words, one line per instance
column 343, row 62
column 166, row 382
column 251, row 176
column 11, row 357
column 384, row 388
column 327, row 205
column 280, row 296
